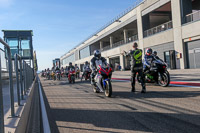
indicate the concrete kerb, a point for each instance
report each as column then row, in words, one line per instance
column 45, row 121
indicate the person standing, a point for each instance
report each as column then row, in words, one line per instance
column 136, row 66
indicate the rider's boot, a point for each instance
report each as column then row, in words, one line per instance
column 143, row 89
column 133, row 89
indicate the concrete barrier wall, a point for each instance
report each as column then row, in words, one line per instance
column 23, row 122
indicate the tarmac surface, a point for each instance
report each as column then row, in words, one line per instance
column 75, row 108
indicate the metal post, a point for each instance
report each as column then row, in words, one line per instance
column 24, row 73
column 17, row 78
column 21, row 79
column 1, row 104
column 11, row 84
column 10, row 78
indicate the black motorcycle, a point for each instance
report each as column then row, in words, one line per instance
column 48, row 76
column 157, row 74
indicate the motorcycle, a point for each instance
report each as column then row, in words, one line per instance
column 103, row 80
column 157, row 74
column 58, row 75
column 43, row 75
column 77, row 74
column 53, row 76
column 62, row 73
column 71, row 75
column 87, row 74
column 48, row 75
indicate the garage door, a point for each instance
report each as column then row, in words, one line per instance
column 194, row 54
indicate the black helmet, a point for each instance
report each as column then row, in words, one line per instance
column 86, row 62
column 97, row 54
column 75, row 64
column 155, row 52
column 70, row 64
column 149, row 51
column 135, row 45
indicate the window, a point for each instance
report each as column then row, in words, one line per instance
column 85, row 52
column 68, row 59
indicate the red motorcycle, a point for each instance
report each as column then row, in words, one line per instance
column 103, row 80
column 87, row 74
column 71, row 76
column 62, row 73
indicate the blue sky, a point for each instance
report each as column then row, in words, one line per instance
column 58, row 25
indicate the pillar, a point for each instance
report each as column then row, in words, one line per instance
column 140, row 28
column 108, row 60
column 122, row 62
column 101, row 45
column 125, row 35
column 178, row 41
column 111, row 41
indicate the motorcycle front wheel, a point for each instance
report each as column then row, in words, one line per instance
column 108, row 89
column 73, row 79
column 164, row 80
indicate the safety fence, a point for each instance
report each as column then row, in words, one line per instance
column 24, row 80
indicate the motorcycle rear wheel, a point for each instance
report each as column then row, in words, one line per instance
column 165, row 80
column 108, row 89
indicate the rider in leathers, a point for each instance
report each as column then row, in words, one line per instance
column 95, row 62
column 70, row 66
column 148, row 58
column 86, row 65
column 136, row 66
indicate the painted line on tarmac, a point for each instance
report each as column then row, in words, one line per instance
column 184, row 86
column 185, row 83
column 175, row 83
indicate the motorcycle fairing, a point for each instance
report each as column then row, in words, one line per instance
column 98, row 80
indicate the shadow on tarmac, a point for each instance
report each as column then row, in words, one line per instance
column 124, row 120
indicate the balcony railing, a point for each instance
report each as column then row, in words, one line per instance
column 158, row 29
column 192, row 17
column 122, row 42
column 131, row 39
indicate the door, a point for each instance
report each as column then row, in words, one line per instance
column 169, row 58
column 193, row 54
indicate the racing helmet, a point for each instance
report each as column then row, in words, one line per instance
column 70, row 64
column 155, row 53
column 86, row 63
column 97, row 54
column 148, row 51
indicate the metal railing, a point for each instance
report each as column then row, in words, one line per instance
column 132, row 39
column 3, row 60
column 158, row 29
column 106, row 48
column 195, row 16
column 26, row 80
column 117, row 44
column 120, row 43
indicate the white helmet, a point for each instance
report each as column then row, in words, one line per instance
column 97, row 54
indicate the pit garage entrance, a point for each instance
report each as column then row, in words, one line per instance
column 193, row 54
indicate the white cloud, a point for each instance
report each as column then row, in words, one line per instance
column 6, row 3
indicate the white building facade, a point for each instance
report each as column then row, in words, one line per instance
column 170, row 27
